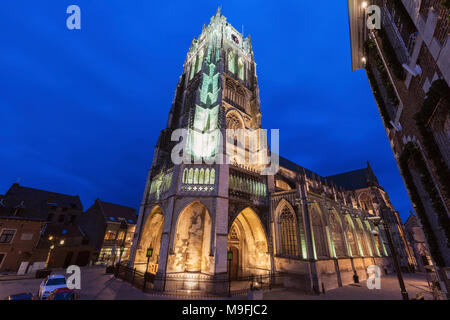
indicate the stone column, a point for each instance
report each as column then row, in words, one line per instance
column 303, row 204
column 169, row 228
column 219, row 237
column 140, row 222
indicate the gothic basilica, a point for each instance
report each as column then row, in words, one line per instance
column 202, row 225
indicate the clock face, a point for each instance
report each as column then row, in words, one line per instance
column 235, row 39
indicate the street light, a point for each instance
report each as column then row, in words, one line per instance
column 377, row 221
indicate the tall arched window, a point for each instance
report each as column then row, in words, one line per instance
column 337, row 235
column 241, row 69
column 362, row 238
column 192, row 72
column 289, row 244
column 196, row 176
column 185, row 175
column 207, row 176
column 378, row 241
column 201, row 178
column 199, row 62
column 350, row 232
column 231, row 62
column 212, row 178
column 371, row 238
column 319, row 234
column 366, row 202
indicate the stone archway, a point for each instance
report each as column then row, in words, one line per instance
column 150, row 239
column 248, row 242
column 191, row 250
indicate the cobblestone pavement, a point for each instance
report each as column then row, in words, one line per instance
column 390, row 290
column 96, row 285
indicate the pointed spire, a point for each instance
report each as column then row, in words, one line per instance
column 218, row 11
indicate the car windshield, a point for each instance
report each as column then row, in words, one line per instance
column 55, row 282
column 62, row 296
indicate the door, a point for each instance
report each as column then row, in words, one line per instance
column 234, row 264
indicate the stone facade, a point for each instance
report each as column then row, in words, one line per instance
column 407, row 62
column 417, row 239
column 210, row 223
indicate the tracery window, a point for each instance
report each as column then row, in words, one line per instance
column 241, row 69
column 233, row 122
column 366, row 202
column 337, row 235
column 192, row 72
column 231, row 62
column 371, row 239
column 319, row 232
column 199, row 62
column 362, row 238
column 289, row 243
column 349, row 229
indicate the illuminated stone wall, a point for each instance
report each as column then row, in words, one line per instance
column 192, row 241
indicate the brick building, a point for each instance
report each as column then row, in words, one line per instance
column 407, row 61
column 62, row 242
column 19, row 238
column 110, row 228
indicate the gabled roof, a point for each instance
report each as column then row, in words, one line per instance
column 356, row 179
column 35, row 197
column 351, row 180
column 117, row 213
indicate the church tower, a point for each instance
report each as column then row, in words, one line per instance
column 210, row 217
column 198, row 212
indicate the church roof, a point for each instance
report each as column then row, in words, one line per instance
column 356, row 179
column 351, row 180
column 288, row 164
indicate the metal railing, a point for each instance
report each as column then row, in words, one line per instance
column 197, row 287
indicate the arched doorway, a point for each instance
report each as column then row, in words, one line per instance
column 191, row 250
column 150, row 239
column 248, row 243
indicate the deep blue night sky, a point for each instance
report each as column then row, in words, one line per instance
column 81, row 110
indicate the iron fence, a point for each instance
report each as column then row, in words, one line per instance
column 191, row 287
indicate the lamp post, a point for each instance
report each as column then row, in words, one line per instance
column 54, row 242
column 229, row 258
column 124, row 228
column 378, row 220
column 121, row 249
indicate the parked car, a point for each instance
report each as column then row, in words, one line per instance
column 63, row 294
column 21, row 296
column 49, row 284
